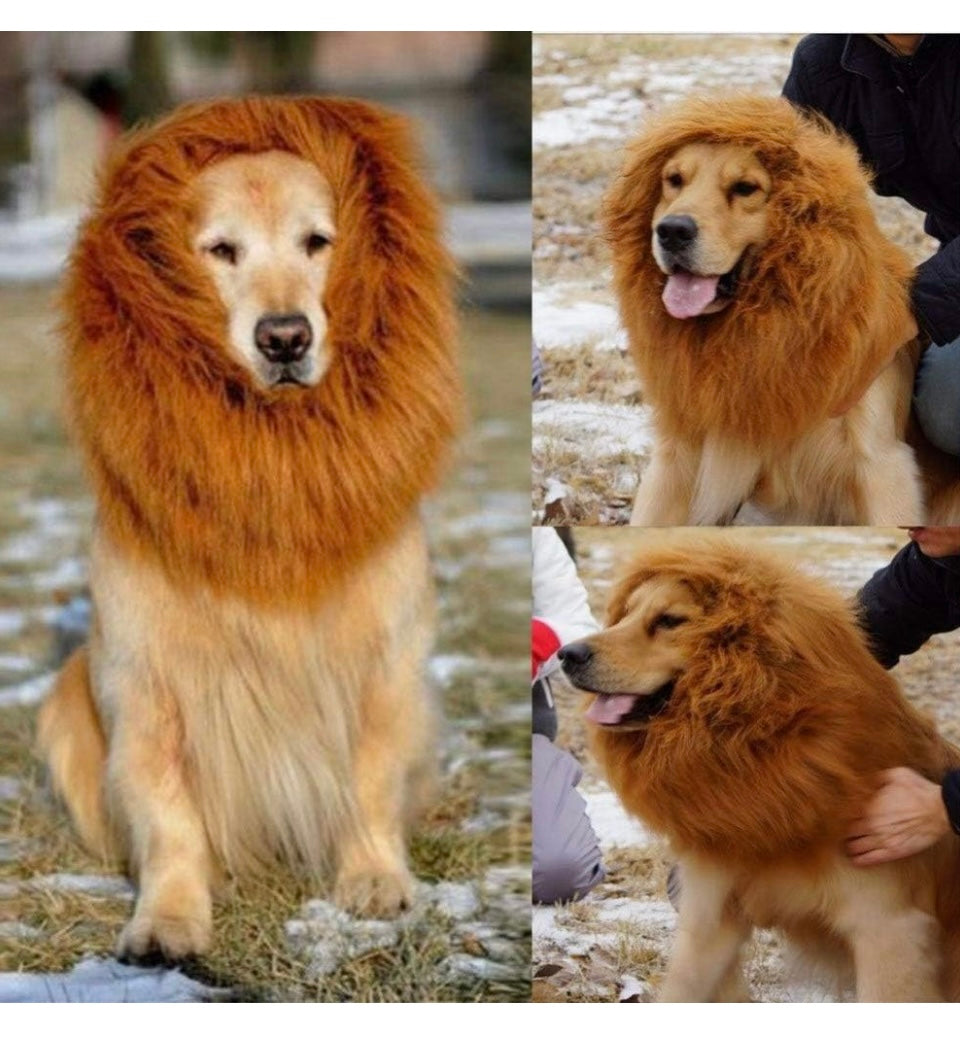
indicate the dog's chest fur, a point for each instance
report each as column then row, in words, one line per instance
column 261, row 707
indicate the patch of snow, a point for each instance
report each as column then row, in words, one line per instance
column 16, row 663
column 596, row 429
column 329, row 936
column 457, row 902
column 634, row 989
column 445, row 667
column 29, row 692
column 12, row 622
column 613, row 826
column 601, row 117
column 564, row 324
column 467, row 966
column 17, row 930
column 10, row 788
column 82, row 884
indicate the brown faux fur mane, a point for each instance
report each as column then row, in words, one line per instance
column 776, row 725
column 821, row 310
column 273, row 497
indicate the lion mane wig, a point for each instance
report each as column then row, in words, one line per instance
column 777, row 723
column 821, row 310
column 257, row 494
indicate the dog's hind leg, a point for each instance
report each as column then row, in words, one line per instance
column 898, row 958
column 896, row 946
column 890, row 490
column 705, row 962
column 71, row 740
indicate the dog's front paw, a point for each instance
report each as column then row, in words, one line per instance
column 168, row 937
column 374, row 893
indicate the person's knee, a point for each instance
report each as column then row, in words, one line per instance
column 936, row 398
column 563, row 878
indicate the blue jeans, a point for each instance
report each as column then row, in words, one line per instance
column 936, row 396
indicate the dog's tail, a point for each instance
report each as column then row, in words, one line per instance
column 71, row 739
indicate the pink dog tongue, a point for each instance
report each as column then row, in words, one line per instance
column 686, row 295
column 611, row 708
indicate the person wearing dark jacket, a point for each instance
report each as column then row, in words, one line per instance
column 898, row 97
column 916, row 596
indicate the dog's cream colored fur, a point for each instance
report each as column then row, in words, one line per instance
column 224, row 737
column 853, row 468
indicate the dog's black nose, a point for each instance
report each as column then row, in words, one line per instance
column 283, row 338
column 574, row 655
column 676, row 232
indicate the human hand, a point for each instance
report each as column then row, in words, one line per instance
column 905, row 816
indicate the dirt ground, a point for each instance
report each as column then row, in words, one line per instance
column 590, row 95
column 613, row 945
column 274, row 939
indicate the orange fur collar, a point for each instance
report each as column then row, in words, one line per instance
column 269, row 497
column 823, row 309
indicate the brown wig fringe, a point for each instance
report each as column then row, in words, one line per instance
column 775, row 727
column 822, row 309
column 272, row 497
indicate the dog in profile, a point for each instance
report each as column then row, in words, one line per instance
column 737, row 710
column 261, row 375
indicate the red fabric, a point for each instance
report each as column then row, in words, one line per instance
column 543, row 643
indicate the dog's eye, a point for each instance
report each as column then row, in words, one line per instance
column 743, row 188
column 668, row 621
column 224, row 250
column 315, row 243
column 675, row 179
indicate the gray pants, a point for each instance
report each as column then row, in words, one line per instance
column 936, row 396
column 566, row 854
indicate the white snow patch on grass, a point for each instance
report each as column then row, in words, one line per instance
column 596, row 429
column 29, row 692
column 613, row 826
column 559, row 324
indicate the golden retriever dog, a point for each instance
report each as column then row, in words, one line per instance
column 739, row 712
column 768, row 317
column 260, row 373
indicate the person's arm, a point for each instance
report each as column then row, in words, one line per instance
column 904, row 604
column 934, row 296
column 796, row 88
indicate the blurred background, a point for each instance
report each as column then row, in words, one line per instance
column 64, row 99
column 65, row 96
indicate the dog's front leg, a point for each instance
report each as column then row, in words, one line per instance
column 169, row 851
column 373, row 877
column 666, row 489
column 705, row 959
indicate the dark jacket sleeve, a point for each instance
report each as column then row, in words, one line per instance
column 905, row 603
column 796, row 87
column 936, row 294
